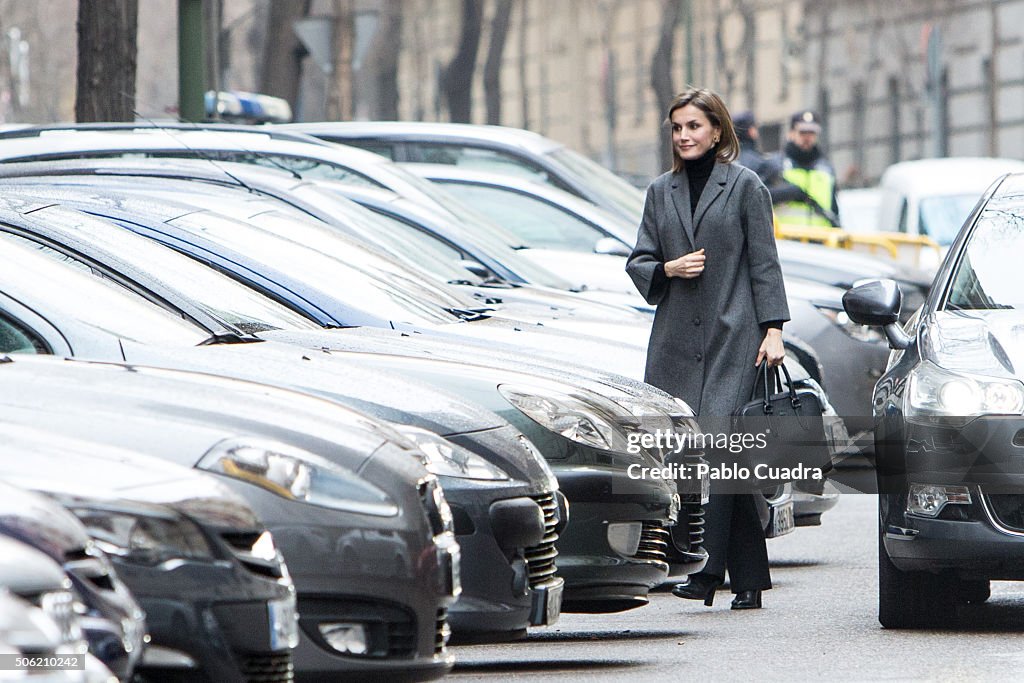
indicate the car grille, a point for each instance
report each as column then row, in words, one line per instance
column 276, row 668
column 654, row 539
column 401, row 638
column 442, row 632
column 540, row 559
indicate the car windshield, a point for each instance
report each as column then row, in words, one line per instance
column 397, row 296
column 81, row 294
column 628, row 199
column 430, row 253
column 988, row 274
column 942, row 217
column 216, row 294
column 538, row 224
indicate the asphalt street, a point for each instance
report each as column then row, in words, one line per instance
column 819, row 621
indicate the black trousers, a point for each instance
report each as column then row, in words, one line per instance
column 734, row 539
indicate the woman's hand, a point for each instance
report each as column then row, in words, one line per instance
column 687, row 266
column 771, row 349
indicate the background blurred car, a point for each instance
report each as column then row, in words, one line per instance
column 858, row 208
column 489, row 148
column 933, row 197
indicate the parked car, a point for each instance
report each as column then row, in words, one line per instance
column 948, row 413
column 174, row 536
column 858, row 209
column 490, row 148
column 933, row 197
column 112, row 621
column 572, row 457
column 844, row 269
column 372, row 554
column 505, row 498
column 37, row 613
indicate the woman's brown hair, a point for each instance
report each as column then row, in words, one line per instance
column 728, row 147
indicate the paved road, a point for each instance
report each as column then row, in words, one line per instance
column 820, row 620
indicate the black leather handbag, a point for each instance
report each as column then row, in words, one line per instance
column 787, row 429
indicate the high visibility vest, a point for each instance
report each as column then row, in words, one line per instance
column 817, row 182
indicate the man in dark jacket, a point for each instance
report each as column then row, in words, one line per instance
column 750, row 150
column 801, row 180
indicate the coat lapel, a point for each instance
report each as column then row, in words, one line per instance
column 717, row 181
column 680, row 191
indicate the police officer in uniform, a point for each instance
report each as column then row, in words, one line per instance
column 802, row 182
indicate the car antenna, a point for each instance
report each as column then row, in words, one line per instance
column 266, row 157
column 198, row 153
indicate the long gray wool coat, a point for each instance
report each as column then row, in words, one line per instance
column 707, row 330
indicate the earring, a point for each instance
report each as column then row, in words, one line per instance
column 715, row 141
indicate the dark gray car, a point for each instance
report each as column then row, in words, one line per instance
column 176, row 539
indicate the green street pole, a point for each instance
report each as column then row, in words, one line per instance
column 191, row 61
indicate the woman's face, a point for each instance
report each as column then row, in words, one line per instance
column 692, row 132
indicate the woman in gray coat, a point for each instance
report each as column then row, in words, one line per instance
column 705, row 256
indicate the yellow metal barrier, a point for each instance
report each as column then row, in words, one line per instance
column 895, row 245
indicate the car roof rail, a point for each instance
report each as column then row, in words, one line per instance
column 124, row 126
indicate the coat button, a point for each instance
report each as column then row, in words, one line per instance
column 698, row 356
column 696, row 322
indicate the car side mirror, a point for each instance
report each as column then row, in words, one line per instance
column 611, row 247
column 478, row 269
column 878, row 303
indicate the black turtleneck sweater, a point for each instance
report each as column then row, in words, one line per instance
column 697, row 173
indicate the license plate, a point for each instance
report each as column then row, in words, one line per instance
column 547, row 605
column 284, row 624
column 782, row 519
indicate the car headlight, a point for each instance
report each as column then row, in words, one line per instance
column 840, row 319
column 569, row 416
column 446, row 459
column 147, row 539
column 936, row 392
column 298, row 475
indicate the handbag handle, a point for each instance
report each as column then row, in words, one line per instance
column 763, row 375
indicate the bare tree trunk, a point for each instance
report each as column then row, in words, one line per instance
column 492, row 67
column 457, row 77
column 283, row 51
column 107, row 51
column 377, row 81
column 524, row 97
column 661, row 69
column 340, row 86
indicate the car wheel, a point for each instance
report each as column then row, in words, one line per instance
column 974, row 592
column 912, row 599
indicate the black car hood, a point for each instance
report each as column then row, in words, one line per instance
column 96, row 399
column 381, row 395
column 982, row 342
column 76, row 472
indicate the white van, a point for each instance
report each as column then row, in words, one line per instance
column 933, row 197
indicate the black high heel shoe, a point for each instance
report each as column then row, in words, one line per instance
column 747, row 600
column 698, row 588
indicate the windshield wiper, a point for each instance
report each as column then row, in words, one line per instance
column 470, row 314
column 227, row 337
